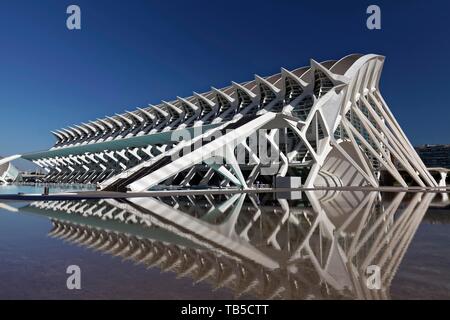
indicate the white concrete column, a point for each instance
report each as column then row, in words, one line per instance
column 443, row 178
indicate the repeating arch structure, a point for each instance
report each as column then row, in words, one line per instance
column 326, row 123
column 318, row 247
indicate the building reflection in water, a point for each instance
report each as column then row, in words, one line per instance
column 258, row 245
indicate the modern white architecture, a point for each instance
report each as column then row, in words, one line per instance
column 326, row 124
column 8, row 173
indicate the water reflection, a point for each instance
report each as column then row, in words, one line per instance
column 317, row 246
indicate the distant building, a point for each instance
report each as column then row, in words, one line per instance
column 435, row 155
column 32, row 177
column 8, row 173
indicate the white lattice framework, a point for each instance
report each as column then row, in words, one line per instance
column 327, row 123
column 252, row 245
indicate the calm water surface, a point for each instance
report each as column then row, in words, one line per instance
column 309, row 245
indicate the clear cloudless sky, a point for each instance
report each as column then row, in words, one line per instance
column 132, row 53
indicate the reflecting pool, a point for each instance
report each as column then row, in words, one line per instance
column 299, row 245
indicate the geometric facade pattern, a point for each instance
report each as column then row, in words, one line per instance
column 325, row 124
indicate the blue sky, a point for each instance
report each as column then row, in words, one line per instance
column 132, row 53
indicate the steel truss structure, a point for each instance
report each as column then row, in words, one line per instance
column 255, row 245
column 326, row 123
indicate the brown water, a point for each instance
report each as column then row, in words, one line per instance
column 309, row 245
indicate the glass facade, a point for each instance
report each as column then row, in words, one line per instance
column 437, row 155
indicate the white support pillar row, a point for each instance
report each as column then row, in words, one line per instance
column 147, row 150
column 134, row 153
